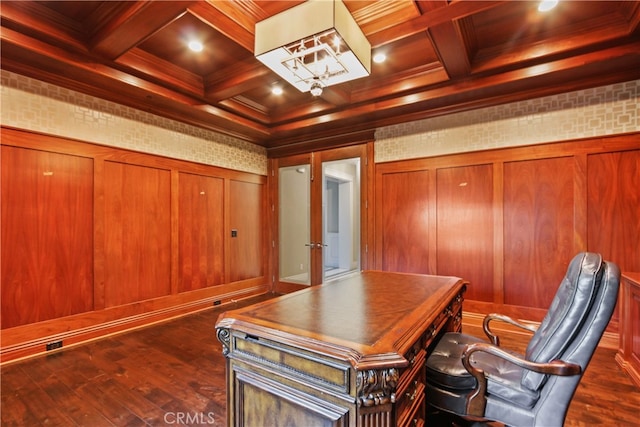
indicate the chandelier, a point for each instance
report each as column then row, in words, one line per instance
column 314, row 45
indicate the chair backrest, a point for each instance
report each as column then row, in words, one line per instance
column 570, row 331
column 577, row 317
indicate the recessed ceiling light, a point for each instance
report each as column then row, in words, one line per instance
column 276, row 90
column 547, row 5
column 195, row 46
column 379, row 58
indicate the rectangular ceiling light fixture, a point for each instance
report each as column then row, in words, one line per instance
column 314, row 45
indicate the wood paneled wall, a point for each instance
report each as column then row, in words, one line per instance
column 538, row 202
column 510, row 220
column 464, row 223
column 247, row 220
column 137, row 223
column 405, row 216
column 98, row 239
column 200, row 235
column 47, row 217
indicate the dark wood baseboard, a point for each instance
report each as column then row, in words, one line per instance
column 31, row 340
column 628, row 368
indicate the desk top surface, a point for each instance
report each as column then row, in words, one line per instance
column 633, row 277
column 371, row 312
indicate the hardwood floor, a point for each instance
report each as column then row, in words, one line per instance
column 173, row 374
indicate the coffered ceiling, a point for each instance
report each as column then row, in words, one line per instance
column 442, row 57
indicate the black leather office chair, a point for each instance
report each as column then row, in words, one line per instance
column 480, row 381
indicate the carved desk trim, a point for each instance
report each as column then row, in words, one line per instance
column 347, row 351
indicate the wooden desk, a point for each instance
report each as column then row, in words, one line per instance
column 628, row 356
column 347, row 353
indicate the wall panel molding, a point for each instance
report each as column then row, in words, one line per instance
column 547, row 202
column 31, row 340
column 122, row 264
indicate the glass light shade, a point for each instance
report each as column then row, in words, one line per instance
column 314, row 41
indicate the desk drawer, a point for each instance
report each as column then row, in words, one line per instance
column 410, row 390
column 292, row 362
column 410, row 406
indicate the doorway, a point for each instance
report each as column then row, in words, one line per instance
column 319, row 217
column 341, row 217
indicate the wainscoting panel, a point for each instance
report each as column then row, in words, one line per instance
column 200, row 231
column 137, row 233
column 465, row 227
column 614, row 200
column 47, row 238
column 510, row 220
column 98, row 240
column 402, row 221
column 538, row 228
column 247, row 203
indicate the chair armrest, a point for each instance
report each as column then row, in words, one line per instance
column 495, row 316
column 555, row 367
column 476, row 402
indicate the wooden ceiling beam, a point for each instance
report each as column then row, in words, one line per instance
column 454, row 11
column 311, row 142
column 238, row 106
column 451, row 48
column 373, row 17
column 234, row 80
column 632, row 11
column 142, row 63
column 215, row 18
column 134, row 23
column 52, row 26
column 335, row 95
column 535, row 51
column 242, row 13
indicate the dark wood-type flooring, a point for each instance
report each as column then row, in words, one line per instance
column 173, row 374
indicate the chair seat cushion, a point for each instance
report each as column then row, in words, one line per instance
column 444, row 364
column 446, row 371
